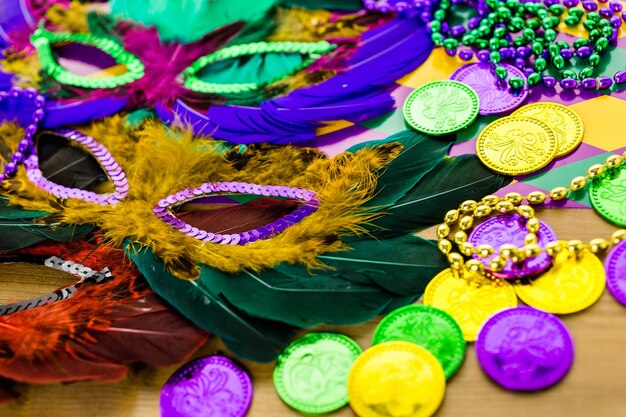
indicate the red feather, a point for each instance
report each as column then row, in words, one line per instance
column 93, row 335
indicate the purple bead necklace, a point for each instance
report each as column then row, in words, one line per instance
column 310, row 204
column 27, row 145
column 108, row 163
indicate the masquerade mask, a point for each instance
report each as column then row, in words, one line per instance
column 277, row 88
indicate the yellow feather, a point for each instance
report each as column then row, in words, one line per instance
column 159, row 161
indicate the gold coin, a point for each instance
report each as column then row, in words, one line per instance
column 516, row 145
column 564, row 122
column 396, row 379
column 571, row 285
column 470, row 300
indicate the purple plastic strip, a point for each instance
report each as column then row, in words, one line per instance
column 106, row 161
column 309, row 206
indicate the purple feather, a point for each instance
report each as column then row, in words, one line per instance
column 15, row 16
column 359, row 93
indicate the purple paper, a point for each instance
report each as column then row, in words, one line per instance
column 494, row 95
column 524, row 349
column 511, row 228
column 212, row 386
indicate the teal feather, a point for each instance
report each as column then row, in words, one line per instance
column 246, row 336
column 19, row 229
column 371, row 279
column 446, row 186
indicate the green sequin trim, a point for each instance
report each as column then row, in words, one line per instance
column 43, row 39
column 312, row 50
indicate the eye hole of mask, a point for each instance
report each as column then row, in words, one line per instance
column 233, row 213
column 85, row 60
column 241, row 72
column 66, row 164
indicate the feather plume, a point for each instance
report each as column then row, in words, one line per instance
column 93, row 335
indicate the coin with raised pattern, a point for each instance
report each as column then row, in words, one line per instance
column 608, row 195
column 571, row 285
column 470, row 300
column 441, row 107
column 615, row 264
column 516, row 145
column 312, row 373
column 396, row 379
column 564, row 122
column 209, row 386
column 429, row 327
column 524, row 349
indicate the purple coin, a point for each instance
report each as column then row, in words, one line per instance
column 495, row 95
column 615, row 265
column 524, row 349
column 511, row 228
column 213, row 386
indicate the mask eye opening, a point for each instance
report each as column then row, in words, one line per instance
column 107, row 163
column 43, row 40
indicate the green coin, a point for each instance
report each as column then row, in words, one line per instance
column 311, row 375
column 441, row 107
column 608, row 196
column 433, row 329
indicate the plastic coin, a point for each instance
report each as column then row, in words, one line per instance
column 396, row 379
column 429, row 327
column 311, row 374
column 516, row 145
column 470, row 300
column 564, row 122
column 441, row 107
column 608, row 196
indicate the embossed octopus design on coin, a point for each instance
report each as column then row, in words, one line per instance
column 564, row 122
column 210, row 386
column 516, row 145
column 441, row 107
column 524, row 349
column 494, row 94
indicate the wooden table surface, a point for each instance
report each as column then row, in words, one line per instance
column 595, row 387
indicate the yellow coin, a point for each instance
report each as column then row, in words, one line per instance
column 470, row 300
column 396, row 379
column 571, row 285
column 564, row 122
column 516, row 145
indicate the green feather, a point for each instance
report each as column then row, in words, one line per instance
column 353, row 5
column 451, row 182
column 246, row 336
column 18, row 228
column 420, row 155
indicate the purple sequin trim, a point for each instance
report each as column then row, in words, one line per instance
column 108, row 163
column 309, row 198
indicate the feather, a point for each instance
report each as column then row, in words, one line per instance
column 190, row 20
column 7, row 394
column 420, row 154
column 356, row 286
column 245, row 336
column 70, row 166
column 448, row 184
column 21, row 228
column 327, row 4
column 14, row 16
column 235, row 218
column 358, row 93
column 94, row 334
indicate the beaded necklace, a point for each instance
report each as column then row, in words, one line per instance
column 522, row 33
column 470, row 210
column 27, row 145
